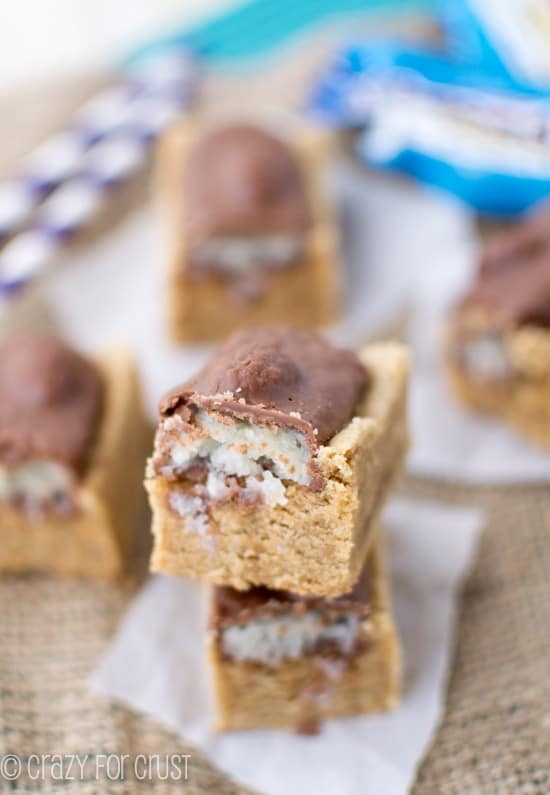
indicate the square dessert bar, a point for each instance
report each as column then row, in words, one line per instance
column 498, row 346
column 249, row 237
column 278, row 660
column 73, row 439
column 271, row 465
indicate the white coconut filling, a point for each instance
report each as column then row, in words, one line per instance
column 521, row 31
column 504, row 137
column 270, row 640
column 193, row 508
column 485, row 357
column 267, row 487
column 35, row 483
column 240, row 255
column 263, row 455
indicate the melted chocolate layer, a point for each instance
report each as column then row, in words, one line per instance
column 279, row 376
column 232, row 607
column 239, row 180
column 50, row 402
column 514, row 277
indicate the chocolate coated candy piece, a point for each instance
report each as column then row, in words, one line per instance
column 280, row 376
column 241, row 180
column 514, row 277
column 50, row 401
column 523, row 240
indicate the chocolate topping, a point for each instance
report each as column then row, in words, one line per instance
column 514, row 276
column 50, row 402
column 240, row 180
column 232, row 607
column 280, row 376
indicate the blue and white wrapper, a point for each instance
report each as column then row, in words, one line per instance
column 449, row 126
column 508, row 37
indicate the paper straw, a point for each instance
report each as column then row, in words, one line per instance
column 63, row 184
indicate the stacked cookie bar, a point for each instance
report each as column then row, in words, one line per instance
column 268, row 475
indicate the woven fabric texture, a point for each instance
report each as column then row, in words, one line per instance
column 495, row 736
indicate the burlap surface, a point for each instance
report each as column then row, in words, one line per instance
column 494, row 739
column 495, row 736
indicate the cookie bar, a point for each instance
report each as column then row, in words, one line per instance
column 249, row 237
column 282, row 661
column 73, row 439
column 270, row 465
column 498, row 346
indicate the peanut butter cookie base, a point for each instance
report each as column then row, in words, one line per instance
column 521, row 402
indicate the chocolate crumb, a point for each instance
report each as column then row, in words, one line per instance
column 311, row 727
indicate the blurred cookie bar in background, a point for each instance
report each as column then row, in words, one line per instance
column 73, row 440
column 249, row 236
column 498, row 346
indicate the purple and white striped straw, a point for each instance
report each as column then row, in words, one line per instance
column 63, row 184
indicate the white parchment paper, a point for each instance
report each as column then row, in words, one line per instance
column 155, row 665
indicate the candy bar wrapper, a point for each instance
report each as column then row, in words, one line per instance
column 511, row 39
column 449, row 126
